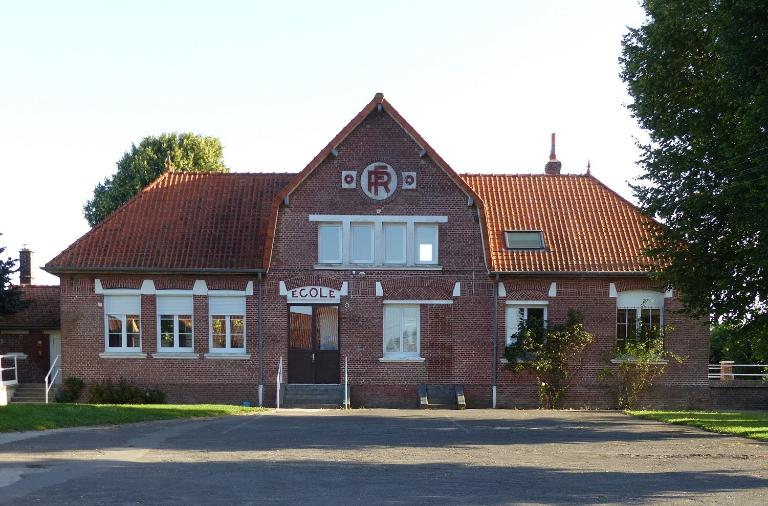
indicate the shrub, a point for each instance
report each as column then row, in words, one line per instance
column 553, row 352
column 640, row 364
column 123, row 392
column 70, row 389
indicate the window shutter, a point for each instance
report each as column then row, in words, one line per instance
column 122, row 304
column 174, row 305
column 226, row 305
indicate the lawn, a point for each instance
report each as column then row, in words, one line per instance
column 751, row 424
column 17, row 417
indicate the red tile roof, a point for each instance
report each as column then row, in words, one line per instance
column 587, row 227
column 42, row 313
column 182, row 222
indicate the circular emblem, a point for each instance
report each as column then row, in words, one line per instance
column 378, row 181
column 349, row 179
column 409, row 179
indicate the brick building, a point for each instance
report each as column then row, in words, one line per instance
column 378, row 257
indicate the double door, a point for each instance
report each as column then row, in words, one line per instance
column 313, row 344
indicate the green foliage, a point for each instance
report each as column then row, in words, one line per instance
column 640, row 363
column 744, row 344
column 697, row 71
column 144, row 163
column 124, row 393
column 553, row 352
column 10, row 295
column 751, row 424
column 70, row 389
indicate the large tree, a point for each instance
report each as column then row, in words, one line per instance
column 142, row 164
column 10, row 295
column 697, row 71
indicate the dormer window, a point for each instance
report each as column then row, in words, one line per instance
column 524, row 239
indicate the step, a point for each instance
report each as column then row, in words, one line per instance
column 313, row 396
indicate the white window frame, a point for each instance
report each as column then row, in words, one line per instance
column 121, row 306
column 175, row 310
column 370, row 226
column 512, row 322
column 404, row 256
column 401, row 354
column 435, row 245
column 228, row 313
column 340, row 244
column 378, row 221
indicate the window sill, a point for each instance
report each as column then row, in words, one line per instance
column 402, row 359
column 122, row 354
column 372, row 267
column 228, row 356
column 176, row 354
column 19, row 355
column 629, row 360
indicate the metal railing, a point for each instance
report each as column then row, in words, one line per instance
column 279, row 382
column 49, row 382
column 727, row 371
column 346, row 381
column 15, row 369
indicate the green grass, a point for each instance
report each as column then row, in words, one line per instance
column 751, row 424
column 17, row 417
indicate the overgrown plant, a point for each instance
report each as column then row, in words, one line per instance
column 553, row 352
column 70, row 389
column 640, row 362
column 123, row 392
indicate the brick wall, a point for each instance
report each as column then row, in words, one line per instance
column 36, row 346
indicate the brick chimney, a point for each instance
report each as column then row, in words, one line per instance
column 553, row 166
column 25, row 266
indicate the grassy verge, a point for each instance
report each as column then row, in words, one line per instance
column 17, row 417
column 751, row 424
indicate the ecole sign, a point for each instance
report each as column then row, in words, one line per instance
column 313, row 295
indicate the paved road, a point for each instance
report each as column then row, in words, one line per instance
column 383, row 456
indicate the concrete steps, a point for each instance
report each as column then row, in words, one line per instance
column 27, row 393
column 313, row 396
column 442, row 397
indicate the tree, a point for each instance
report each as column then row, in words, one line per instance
column 553, row 352
column 142, row 164
column 10, row 295
column 697, row 72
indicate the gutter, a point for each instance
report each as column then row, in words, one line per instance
column 151, row 270
column 260, row 318
column 495, row 332
column 571, row 273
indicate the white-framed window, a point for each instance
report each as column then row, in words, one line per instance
column 122, row 323
column 393, row 242
column 524, row 239
column 227, row 324
column 361, row 243
column 426, row 243
column 519, row 316
column 329, row 243
column 174, row 323
column 401, row 331
column 635, row 310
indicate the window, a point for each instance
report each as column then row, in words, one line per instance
column 394, row 243
column 361, row 243
column 401, row 331
column 519, row 317
column 329, row 243
column 426, row 243
column 174, row 316
column 227, row 324
column 637, row 311
column 524, row 239
column 122, row 316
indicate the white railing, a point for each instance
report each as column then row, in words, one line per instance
column 727, row 370
column 279, row 382
column 49, row 382
column 346, row 381
column 15, row 369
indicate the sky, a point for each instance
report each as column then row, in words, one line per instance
column 484, row 82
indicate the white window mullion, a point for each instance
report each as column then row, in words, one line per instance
column 410, row 257
column 346, row 241
column 378, row 245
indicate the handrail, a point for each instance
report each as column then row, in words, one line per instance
column 279, row 382
column 15, row 369
column 48, row 385
column 346, row 382
column 726, row 370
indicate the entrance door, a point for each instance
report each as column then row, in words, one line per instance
column 55, row 351
column 313, row 344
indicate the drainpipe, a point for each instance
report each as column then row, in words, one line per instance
column 495, row 340
column 260, row 317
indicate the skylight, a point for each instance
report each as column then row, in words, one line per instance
column 524, row 239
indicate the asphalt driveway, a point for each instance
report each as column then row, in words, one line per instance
column 384, row 456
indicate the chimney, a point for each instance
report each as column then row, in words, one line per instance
column 553, row 166
column 25, row 266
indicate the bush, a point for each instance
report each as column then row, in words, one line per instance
column 554, row 353
column 123, row 392
column 70, row 389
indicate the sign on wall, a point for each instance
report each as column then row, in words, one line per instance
column 313, row 295
column 378, row 180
